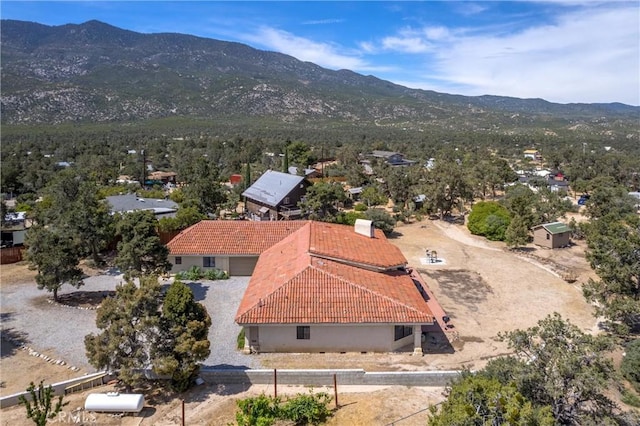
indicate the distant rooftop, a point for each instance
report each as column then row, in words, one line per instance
column 131, row 202
column 272, row 187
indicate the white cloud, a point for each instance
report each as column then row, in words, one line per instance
column 323, row 54
column 469, row 8
column 405, row 44
column 592, row 55
column 304, row 49
column 437, row 33
column 323, row 22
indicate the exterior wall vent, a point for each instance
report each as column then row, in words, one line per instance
column 364, row 227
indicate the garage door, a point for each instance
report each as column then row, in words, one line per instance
column 242, row 266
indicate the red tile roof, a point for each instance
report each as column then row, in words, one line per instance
column 295, row 282
column 332, row 241
column 232, row 237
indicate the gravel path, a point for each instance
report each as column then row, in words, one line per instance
column 46, row 326
column 222, row 298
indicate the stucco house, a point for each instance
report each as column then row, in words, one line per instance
column 552, row 235
column 228, row 245
column 275, row 196
column 333, row 288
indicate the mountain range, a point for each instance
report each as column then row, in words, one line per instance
column 97, row 73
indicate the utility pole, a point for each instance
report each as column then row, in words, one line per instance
column 144, row 168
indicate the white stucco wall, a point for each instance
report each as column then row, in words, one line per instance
column 330, row 338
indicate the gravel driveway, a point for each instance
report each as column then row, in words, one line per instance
column 46, row 326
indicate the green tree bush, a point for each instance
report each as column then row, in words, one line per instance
column 140, row 250
column 480, row 400
column 630, row 366
column 381, row 220
column 183, row 341
column 55, row 257
column 307, row 409
column 129, row 322
column 557, row 365
column 302, row 409
column 489, row 219
column 614, row 254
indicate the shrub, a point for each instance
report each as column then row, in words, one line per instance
column 195, row 274
column 301, row 410
column 307, row 409
column 349, row 218
column 381, row 220
column 261, row 410
column 215, row 274
column 361, row 207
column 489, row 219
column 240, row 339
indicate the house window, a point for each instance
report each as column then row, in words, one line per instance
column 208, row 262
column 548, row 237
column 402, row 331
column 303, row 332
column 286, row 200
column 178, row 260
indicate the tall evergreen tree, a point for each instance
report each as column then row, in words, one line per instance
column 129, row 324
column 614, row 254
column 183, row 341
column 140, row 251
column 55, row 256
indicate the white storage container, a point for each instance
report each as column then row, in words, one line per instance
column 114, row 402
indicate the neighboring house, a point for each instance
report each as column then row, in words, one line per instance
column 165, row 178
column 131, row 202
column 392, row 158
column 275, row 196
column 14, row 229
column 354, row 193
column 309, row 173
column 532, row 154
column 333, row 288
column 552, row 235
column 228, row 245
column 557, row 182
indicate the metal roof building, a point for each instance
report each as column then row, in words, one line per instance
column 272, row 187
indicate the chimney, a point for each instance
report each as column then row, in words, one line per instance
column 364, row 227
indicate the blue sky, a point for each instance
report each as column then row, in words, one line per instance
column 559, row 50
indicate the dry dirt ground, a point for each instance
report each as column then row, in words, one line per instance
column 483, row 288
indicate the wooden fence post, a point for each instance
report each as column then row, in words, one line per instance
column 275, row 383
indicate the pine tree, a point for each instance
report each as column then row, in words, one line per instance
column 140, row 250
column 56, row 258
column 184, row 342
column 129, row 323
column 517, row 233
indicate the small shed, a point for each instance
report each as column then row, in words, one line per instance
column 114, row 402
column 552, row 235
